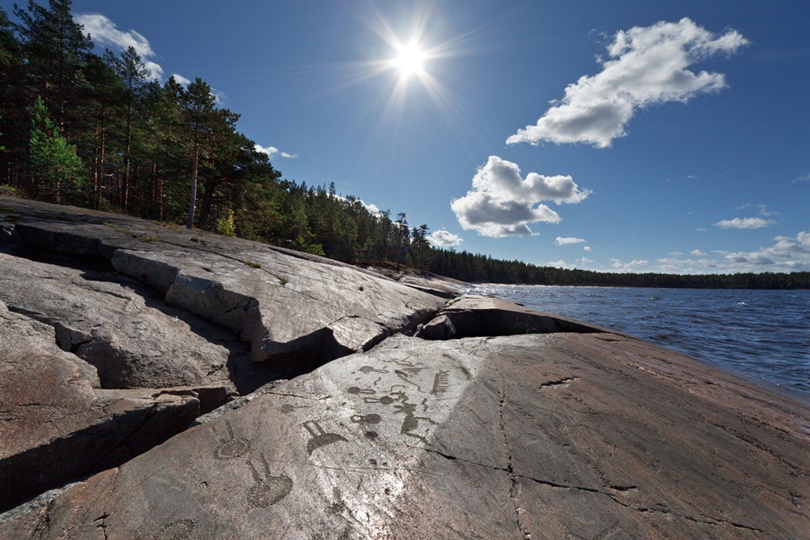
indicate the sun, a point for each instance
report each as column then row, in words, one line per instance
column 410, row 60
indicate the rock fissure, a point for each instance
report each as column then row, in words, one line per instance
column 560, row 382
column 514, row 484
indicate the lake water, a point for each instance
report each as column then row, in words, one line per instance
column 761, row 335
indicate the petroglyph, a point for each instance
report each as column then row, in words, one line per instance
column 369, row 369
column 230, row 447
column 354, row 390
column 441, row 382
column 269, row 489
column 366, row 419
column 319, row 437
column 411, row 422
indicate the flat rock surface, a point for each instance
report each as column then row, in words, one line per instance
column 288, row 306
column 562, row 435
column 56, row 427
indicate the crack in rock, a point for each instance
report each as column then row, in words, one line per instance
column 514, row 484
column 561, row 382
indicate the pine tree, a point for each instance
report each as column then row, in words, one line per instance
column 58, row 171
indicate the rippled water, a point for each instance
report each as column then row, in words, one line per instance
column 761, row 335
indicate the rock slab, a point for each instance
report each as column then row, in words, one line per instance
column 561, row 435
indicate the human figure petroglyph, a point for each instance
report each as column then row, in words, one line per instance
column 319, row 436
column 411, row 422
column 230, row 447
column 268, row 489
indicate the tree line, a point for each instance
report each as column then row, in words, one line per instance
column 97, row 131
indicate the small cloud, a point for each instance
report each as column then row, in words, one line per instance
column 272, row 152
column 503, row 203
column 803, row 178
column 631, row 266
column 443, row 238
column 559, row 264
column 697, row 253
column 105, row 33
column 645, row 66
column 744, row 223
column 182, row 81
column 692, row 177
column 675, row 254
column 566, row 241
column 587, row 248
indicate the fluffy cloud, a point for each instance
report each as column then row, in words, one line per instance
column 105, row 33
column 786, row 255
column 645, row 66
column 632, row 266
column 443, row 238
column 587, row 248
column 272, row 152
column 744, row 223
column 503, row 203
column 565, row 241
column 182, row 81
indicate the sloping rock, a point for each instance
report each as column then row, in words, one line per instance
column 111, row 326
column 474, row 316
column 56, row 427
column 563, row 435
column 288, row 306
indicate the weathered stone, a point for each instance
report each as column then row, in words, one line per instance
column 290, row 307
column 563, row 435
column 112, row 326
column 56, row 427
column 473, row 316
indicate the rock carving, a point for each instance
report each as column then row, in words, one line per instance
column 269, row 489
column 231, row 447
column 319, row 436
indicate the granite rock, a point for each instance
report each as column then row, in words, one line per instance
column 560, row 435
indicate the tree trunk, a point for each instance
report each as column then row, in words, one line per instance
column 193, row 200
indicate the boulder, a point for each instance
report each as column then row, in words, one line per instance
column 57, row 426
column 556, row 435
column 473, row 315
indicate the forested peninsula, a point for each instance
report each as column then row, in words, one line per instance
column 95, row 131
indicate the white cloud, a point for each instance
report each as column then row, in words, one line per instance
column 182, row 81
column 443, row 238
column 763, row 209
column 697, row 253
column 632, row 266
column 565, row 241
column 645, row 66
column 587, row 248
column 803, row 178
column 744, row 223
column 786, row 255
column 105, row 33
column 272, row 152
column 502, row 203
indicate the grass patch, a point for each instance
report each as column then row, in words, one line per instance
column 252, row 264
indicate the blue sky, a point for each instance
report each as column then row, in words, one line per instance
column 623, row 136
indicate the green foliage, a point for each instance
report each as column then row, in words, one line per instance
column 225, row 225
column 56, row 165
